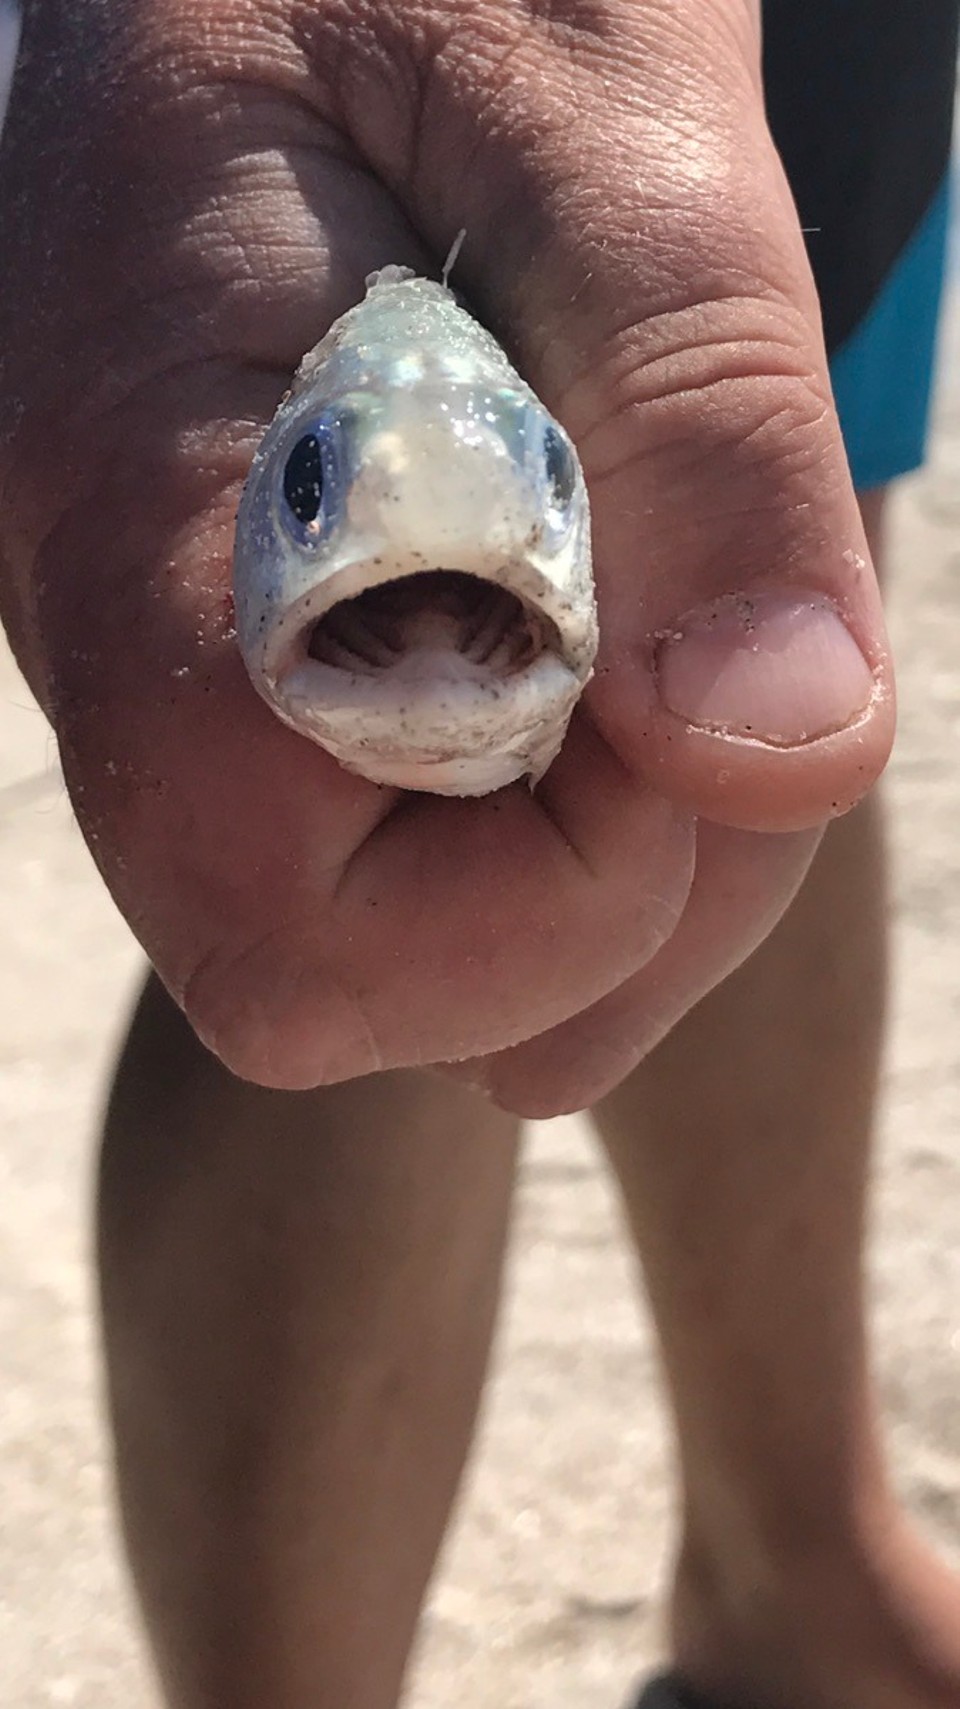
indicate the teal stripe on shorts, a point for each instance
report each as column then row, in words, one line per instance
column 883, row 373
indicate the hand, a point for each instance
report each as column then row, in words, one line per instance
column 189, row 193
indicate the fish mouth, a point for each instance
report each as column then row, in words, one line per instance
column 440, row 680
column 431, row 627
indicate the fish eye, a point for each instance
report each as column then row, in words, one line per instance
column 303, row 479
column 560, row 467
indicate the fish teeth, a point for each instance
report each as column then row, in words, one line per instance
column 352, row 638
column 492, row 623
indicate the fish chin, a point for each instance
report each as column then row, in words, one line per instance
column 439, row 681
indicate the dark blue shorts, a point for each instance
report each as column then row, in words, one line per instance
column 860, row 97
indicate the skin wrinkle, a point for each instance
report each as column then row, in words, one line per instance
column 248, row 267
column 214, row 487
column 172, row 47
column 566, row 840
column 400, row 803
column 676, row 317
column 575, row 100
column 354, row 1004
column 578, row 1054
column 695, row 526
column 562, row 364
column 544, row 138
column 808, row 455
column 223, row 1036
column 588, row 34
column 118, row 373
column 631, row 423
column 219, row 249
column 228, row 978
column 762, row 434
column 543, row 1004
column 695, row 328
column 130, row 161
column 666, row 538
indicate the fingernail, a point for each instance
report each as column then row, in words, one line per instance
column 772, row 667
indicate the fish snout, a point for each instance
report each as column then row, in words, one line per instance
column 444, row 492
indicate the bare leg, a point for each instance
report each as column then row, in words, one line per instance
column 742, row 1146
column 299, row 1292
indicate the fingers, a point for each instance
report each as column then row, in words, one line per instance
column 453, row 926
column 313, row 926
column 652, row 278
column 743, row 884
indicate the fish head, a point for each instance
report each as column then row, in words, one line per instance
column 413, row 546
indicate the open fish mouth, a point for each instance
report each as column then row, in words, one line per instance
column 441, row 680
column 436, row 626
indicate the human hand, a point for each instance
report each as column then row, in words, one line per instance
column 189, row 194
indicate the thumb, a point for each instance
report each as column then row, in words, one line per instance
column 657, row 293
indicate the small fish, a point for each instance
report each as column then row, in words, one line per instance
column 412, row 568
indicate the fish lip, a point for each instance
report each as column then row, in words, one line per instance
column 284, row 644
column 462, row 739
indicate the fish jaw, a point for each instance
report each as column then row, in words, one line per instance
column 443, row 736
column 434, row 624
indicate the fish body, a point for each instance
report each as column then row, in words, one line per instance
column 412, row 569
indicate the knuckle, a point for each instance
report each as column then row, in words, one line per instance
column 737, row 375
